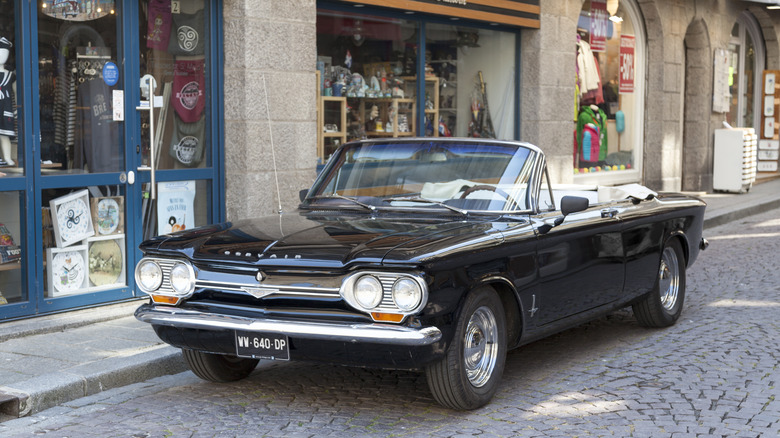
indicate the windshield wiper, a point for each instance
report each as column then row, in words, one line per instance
column 353, row 200
column 428, row 201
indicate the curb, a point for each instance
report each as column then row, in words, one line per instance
column 53, row 389
column 740, row 213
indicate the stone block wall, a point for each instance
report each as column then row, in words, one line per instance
column 270, row 58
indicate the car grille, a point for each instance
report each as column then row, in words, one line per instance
column 289, row 285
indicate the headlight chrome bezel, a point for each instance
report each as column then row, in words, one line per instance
column 387, row 304
column 165, row 286
column 139, row 269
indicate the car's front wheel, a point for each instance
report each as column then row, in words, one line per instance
column 218, row 367
column 663, row 305
column 469, row 374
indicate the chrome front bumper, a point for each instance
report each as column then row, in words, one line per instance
column 370, row 333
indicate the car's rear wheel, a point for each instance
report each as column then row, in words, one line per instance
column 663, row 305
column 469, row 374
column 218, row 367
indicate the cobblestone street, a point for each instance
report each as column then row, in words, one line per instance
column 714, row 374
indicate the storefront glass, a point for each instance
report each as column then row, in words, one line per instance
column 78, row 73
column 745, row 67
column 173, row 43
column 369, row 67
column 84, row 241
column 475, row 72
column 609, row 99
column 13, row 234
column 11, row 157
column 127, row 131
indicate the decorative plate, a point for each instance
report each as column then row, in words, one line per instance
column 105, row 262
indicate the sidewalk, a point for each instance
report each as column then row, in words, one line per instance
column 49, row 360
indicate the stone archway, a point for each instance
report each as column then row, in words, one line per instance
column 697, row 136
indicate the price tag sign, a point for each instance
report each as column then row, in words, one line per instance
column 627, row 70
column 599, row 18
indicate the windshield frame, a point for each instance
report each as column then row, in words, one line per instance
column 534, row 163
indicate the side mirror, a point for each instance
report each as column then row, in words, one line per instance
column 302, row 194
column 571, row 204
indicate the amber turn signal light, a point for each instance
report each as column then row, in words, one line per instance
column 163, row 299
column 387, row 317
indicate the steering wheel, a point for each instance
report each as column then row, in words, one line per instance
column 488, row 188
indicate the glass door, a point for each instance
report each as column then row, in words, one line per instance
column 176, row 167
column 126, row 121
column 80, row 177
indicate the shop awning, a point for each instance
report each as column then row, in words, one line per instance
column 520, row 13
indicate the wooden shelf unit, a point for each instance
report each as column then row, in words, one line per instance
column 331, row 110
column 389, row 109
column 432, row 90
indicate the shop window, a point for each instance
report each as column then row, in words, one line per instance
column 78, row 71
column 609, row 98
column 474, row 71
column 367, row 67
column 83, row 240
column 746, row 63
column 173, row 41
column 12, row 233
column 10, row 152
column 369, row 85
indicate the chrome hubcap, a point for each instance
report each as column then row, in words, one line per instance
column 480, row 346
column 669, row 279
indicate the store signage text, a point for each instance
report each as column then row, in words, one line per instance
column 627, row 57
column 454, row 2
column 599, row 18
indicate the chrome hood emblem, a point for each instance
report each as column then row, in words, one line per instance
column 259, row 292
column 260, row 276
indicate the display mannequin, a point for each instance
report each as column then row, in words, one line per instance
column 6, row 103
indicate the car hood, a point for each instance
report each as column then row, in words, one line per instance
column 304, row 240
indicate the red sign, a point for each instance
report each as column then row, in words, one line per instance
column 627, row 62
column 599, row 18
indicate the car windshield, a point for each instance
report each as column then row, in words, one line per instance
column 460, row 175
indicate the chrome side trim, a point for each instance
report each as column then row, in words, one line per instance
column 370, row 333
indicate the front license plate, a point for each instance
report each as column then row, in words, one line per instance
column 262, row 345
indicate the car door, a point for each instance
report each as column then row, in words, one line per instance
column 580, row 262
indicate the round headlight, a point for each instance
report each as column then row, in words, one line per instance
column 406, row 294
column 368, row 292
column 148, row 275
column 182, row 278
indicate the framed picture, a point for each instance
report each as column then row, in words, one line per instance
column 106, row 261
column 72, row 219
column 108, row 215
column 66, row 270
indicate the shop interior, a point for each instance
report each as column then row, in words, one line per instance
column 368, row 85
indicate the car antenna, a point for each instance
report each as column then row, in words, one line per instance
column 273, row 152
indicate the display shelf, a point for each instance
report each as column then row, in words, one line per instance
column 388, row 111
column 332, row 110
column 431, row 95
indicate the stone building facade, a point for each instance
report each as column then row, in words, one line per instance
column 270, row 56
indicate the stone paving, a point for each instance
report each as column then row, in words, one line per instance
column 714, row 374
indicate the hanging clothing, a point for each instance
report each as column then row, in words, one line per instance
column 97, row 134
column 188, row 85
column 589, row 76
column 159, row 24
column 187, row 142
column 595, row 123
column 187, row 34
column 7, row 118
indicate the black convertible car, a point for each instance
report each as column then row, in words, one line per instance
column 422, row 253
